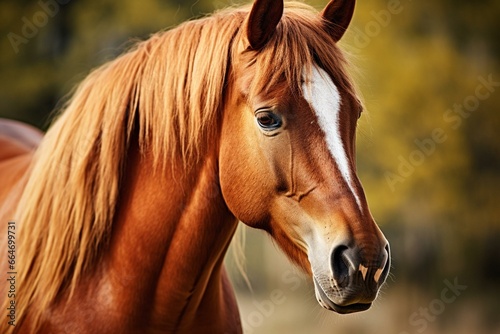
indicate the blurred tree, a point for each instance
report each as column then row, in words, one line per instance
column 50, row 45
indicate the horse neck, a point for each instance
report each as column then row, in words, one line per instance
column 169, row 239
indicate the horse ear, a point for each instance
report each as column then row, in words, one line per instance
column 337, row 15
column 262, row 21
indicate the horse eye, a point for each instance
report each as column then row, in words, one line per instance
column 268, row 121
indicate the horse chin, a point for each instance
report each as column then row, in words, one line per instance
column 330, row 305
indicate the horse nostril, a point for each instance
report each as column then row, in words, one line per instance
column 340, row 265
column 382, row 272
column 387, row 264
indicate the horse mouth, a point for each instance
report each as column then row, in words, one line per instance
column 330, row 305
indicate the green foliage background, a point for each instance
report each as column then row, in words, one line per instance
column 442, row 216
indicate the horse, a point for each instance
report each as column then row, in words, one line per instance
column 119, row 217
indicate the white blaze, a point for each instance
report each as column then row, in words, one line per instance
column 324, row 98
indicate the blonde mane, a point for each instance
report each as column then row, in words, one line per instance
column 167, row 93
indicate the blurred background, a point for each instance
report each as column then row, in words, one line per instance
column 428, row 148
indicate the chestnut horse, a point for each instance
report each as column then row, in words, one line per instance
column 123, row 214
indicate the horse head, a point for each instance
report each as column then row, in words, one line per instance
column 287, row 150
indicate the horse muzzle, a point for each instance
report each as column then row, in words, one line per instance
column 352, row 282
